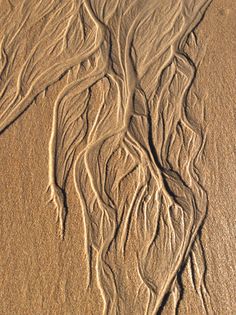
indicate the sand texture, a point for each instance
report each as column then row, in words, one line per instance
column 117, row 161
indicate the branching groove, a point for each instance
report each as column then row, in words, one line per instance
column 121, row 124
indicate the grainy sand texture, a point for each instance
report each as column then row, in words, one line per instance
column 117, row 157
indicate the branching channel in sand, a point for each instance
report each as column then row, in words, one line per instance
column 120, row 123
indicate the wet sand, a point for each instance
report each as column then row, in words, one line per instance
column 117, row 167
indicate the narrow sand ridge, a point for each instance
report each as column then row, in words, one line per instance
column 121, row 124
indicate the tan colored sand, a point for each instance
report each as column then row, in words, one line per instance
column 133, row 263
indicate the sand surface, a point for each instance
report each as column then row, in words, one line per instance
column 117, row 160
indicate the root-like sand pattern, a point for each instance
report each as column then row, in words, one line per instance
column 121, row 124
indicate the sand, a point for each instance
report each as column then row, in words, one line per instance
column 117, row 167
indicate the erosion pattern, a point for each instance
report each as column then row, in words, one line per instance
column 121, row 123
